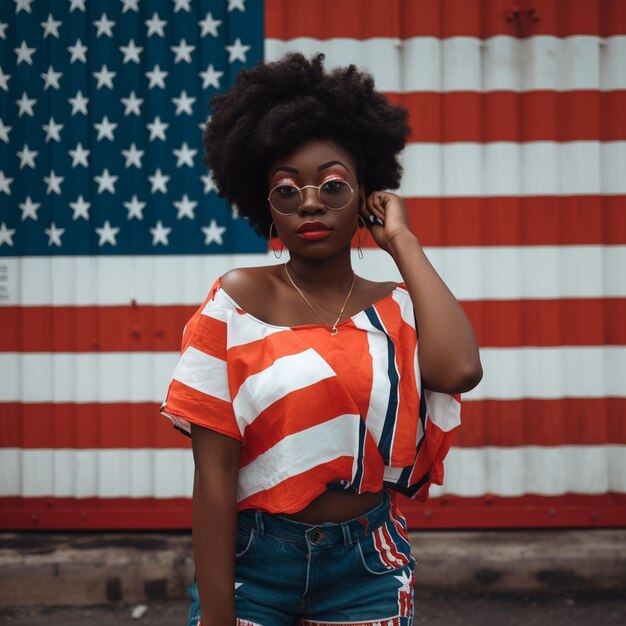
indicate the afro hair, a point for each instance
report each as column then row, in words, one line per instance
column 274, row 107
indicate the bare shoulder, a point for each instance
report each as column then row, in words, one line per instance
column 248, row 286
column 369, row 292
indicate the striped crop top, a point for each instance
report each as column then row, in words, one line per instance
column 312, row 411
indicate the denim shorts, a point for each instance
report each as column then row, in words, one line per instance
column 287, row 573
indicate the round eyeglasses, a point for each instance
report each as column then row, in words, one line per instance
column 286, row 198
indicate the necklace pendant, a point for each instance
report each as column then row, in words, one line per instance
column 334, row 331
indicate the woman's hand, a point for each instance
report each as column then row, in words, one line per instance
column 386, row 217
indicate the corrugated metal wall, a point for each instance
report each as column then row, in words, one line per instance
column 515, row 180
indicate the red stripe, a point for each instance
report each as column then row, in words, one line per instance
column 518, row 117
column 518, row 221
column 505, row 423
column 382, row 553
column 498, row 323
column 398, row 557
column 570, row 510
column 361, row 19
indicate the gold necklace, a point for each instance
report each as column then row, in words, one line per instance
column 334, row 330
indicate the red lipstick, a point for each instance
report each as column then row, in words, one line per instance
column 313, row 231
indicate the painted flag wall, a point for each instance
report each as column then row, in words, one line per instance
column 111, row 234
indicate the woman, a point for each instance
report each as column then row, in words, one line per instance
column 308, row 403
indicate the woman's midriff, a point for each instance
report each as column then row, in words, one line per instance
column 336, row 506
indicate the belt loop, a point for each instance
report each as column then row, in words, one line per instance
column 347, row 535
column 258, row 515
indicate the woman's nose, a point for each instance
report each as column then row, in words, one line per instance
column 310, row 199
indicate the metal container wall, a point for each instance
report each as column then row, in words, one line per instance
column 515, row 180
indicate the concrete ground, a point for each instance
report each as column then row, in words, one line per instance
column 452, row 609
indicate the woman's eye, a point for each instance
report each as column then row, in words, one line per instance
column 286, row 190
column 332, row 186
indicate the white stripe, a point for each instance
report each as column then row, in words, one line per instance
column 387, row 548
column 538, row 168
column 286, row 374
column 471, row 64
column 105, row 473
column 203, row 372
column 548, row 471
column 551, row 373
column 509, row 373
column 294, row 454
column 472, row 273
column 381, row 386
column 443, row 410
column 168, row 473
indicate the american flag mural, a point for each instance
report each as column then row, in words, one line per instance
column 111, row 234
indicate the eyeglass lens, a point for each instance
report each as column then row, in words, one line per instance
column 333, row 194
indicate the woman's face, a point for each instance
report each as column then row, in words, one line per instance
column 316, row 162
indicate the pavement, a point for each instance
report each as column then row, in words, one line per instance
column 86, row 569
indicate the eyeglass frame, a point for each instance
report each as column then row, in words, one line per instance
column 319, row 189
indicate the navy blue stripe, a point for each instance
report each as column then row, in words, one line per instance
column 386, row 437
column 358, row 475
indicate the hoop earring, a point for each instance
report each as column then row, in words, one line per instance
column 272, row 247
column 358, row 235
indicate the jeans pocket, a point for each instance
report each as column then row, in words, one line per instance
column 386, row 549
column 245, row 540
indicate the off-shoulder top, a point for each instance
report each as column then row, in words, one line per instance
column 314, row 411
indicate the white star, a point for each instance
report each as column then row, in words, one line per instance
column 107, row 234
column 23, row 5
column 209, row 25
column 130, row 5
column 29, row 209
column 24, row 53
column 237, row 51
column 182, row 51
column 27, row 156
column 80, row 208
column 131, row 52
column 135, row 208
column 53, row 130
column 5, row 183
column 51, row 26
column 181, row 4
column 213, row 233
column 4, row 80
column 105, row 129
column 132, row 104
column 209, row 185
column 157, row 129
column 105, row 181
column 54, row 235
column 51, row 78
column 54, row 183
column 236, row 4
column 160, row 234
column 4, row 131
column 79, row 155
column 185, row 208
column 79, row 103
column 3, row 30
column 133, row 156
column 105, row 77
column 184, row 155
column 211, row 77
column 183, row 103
column 405, row 581
column 158, row 181
column 78, row 52
column 104, row 26
column 77, row 4
column 157, row 77
column 6, row 235
column 237, row 585
column 202, row 125
column 26, row 105
column 155, row 25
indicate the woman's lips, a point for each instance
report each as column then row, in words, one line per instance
column 313, row 230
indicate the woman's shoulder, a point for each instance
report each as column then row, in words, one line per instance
column 247, row 286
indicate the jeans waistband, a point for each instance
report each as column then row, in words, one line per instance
column 328, row 533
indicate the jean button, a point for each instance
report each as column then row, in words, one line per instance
column 317, row 536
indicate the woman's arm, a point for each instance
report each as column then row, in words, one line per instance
column 216, row 458
column 448, row 353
